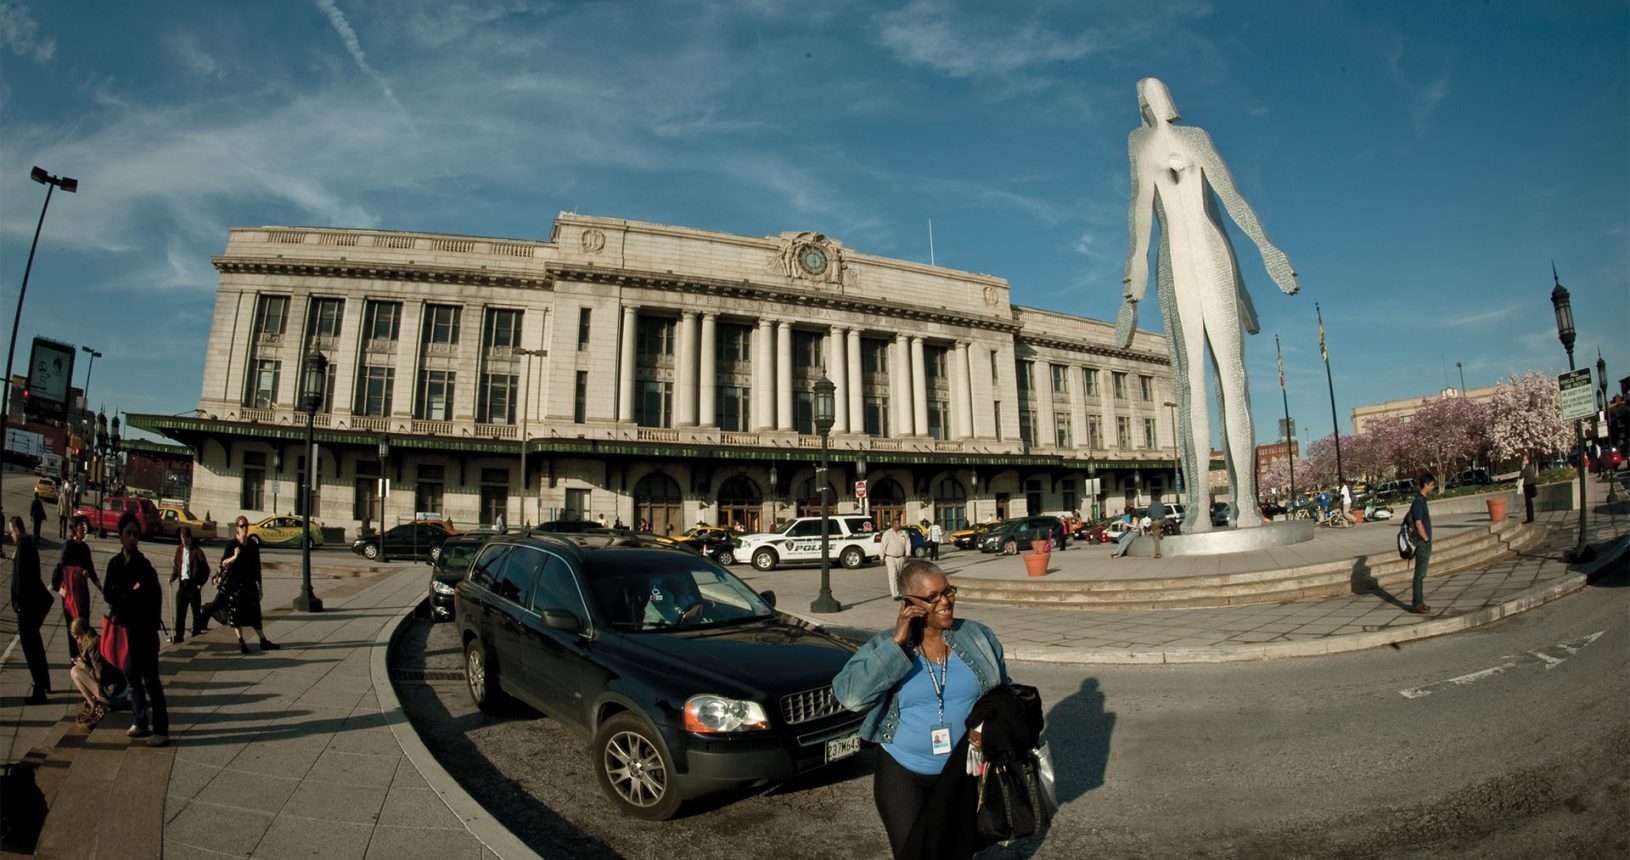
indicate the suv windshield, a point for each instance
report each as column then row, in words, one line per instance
column 669, row 592
column 456, row 556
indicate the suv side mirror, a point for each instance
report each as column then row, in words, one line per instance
column 769, row 597
column 562, row 620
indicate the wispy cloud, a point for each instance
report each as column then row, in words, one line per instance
column 194, row 57
column 1425, row 98
column 354, row 46
column 21, row 33
column 930, row 33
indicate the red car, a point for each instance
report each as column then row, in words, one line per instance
column 1095, row 533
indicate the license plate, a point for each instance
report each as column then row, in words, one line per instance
column 842, row 747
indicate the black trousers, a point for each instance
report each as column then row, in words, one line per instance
column 28, row 635
column 189, row 594
column 146, row 693
column 934, row 550
column 900, row 795
column 1528, row 494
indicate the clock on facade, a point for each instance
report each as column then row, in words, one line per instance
column 813, row 259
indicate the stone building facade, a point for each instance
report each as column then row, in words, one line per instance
column 645, row 372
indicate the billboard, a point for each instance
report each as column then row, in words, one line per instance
column 50, row 374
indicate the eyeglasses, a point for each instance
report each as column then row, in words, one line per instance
column 242, row 525
column 948, row 594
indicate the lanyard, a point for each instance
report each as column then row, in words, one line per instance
column 940, row 681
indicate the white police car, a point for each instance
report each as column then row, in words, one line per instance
column 799, row 542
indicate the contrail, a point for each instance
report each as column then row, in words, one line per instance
column 352, row 44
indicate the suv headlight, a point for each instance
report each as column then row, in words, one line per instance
column 441, row 587
column 710, row 714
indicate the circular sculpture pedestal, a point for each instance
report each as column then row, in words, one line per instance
column 1224, row 541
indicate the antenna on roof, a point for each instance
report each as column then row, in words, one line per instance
column 930, row 241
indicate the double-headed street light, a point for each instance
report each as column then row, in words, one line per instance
column 824, row 390
column 313, row 387
column 1565, row 333
column 107, row 447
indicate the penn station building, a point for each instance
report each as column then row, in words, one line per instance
column 656, row 374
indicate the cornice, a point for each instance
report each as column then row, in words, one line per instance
column 377, row 270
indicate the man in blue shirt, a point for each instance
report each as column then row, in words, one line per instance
column 1420, row 523
column 1157, row 521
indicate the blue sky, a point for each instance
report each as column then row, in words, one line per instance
column 1421, row 163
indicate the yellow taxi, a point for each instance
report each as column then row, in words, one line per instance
column 284, row 531
column 46, row 489
column 172, row 516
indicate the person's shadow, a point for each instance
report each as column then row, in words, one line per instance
column 1078, row 733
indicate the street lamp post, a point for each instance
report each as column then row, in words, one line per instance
column 860, row 475
column 90, row 366
column 51, row 184
column 824, row 390
column 314, row 384
column 277, row 475
column 384, row 487
column 774, row 500
column 1565, row 333
column 1462, row 369
column 1613, row 494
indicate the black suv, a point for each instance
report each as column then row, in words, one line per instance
column 1015, row 535
column 687, row 681
column 448, row 569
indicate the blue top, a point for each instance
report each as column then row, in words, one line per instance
column 1157, row 510
column 913, row 745
column 870, row 681
column 1419, row 513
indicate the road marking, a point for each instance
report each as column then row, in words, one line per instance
column 1551, row 661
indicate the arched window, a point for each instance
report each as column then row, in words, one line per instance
column 657, row 502
column 950, row 505
column 888, row 502
column 741, row 501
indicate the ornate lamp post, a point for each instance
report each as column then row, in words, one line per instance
column 824, row 390
column 860, row 475
column 107, row 455
column 314, row 383
column 774, row 500
column 277, row 472
column 1565, row 333
column 384, row 485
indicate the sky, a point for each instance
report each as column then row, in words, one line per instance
column 1423, row 164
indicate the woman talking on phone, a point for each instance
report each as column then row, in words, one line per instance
column 917, row 684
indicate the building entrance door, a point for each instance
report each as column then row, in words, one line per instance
column 740, row 501
column 657, row 501
column 888, row 502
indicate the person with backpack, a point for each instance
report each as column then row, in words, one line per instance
column 188, row 573
column 136, row 604
column 1420, row 527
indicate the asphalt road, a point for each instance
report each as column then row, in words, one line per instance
column 1508, row 741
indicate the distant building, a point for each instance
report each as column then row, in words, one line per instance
column 1364, row 415
column 1274, row 452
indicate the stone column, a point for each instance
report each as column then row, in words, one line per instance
column 919, row 388
column 783, row 375
column 961, row 394
column 625, row 365
column 707, row 391
column 836, row 370
column 685, row 372
column 763, row 376
column 900, row 388
column 857, row 404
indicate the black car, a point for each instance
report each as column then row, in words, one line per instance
column 687, row 681
column 1015, row 535
column 416, row 540
column 447, row 569
column 569, row 527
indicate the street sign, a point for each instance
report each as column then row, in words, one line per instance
column 860, row 489
column 1578, row 396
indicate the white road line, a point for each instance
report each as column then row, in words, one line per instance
column 1551, row 661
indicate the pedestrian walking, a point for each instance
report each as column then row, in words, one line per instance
column 1530, row 487
column 238, row 585
column 65, row 509
column 36, row 512
column 936, row 536
column 917, row 684
column 1420, row 523
column 32, row 603
column 188, row 573
column 72, row 579
column 1157, row 521
column 135, row 603
column 896, row 546
column 1346, row 503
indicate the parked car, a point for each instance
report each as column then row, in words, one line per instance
column 568, row 526
column 286, row 531
column 1470, row 476
column 106, row 515
column 420, row 539
column 798, row 541
column 46, row 488
column 172, row 517
column 719, row 544
column 687, row 682
column 1097, row 532
column 1221, row 514
column 1014, row 535
column 447, row 569
column 969, row 537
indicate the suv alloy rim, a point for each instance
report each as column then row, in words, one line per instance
column 477, row 673
column 635, row 769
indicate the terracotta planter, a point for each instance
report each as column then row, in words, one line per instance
column 1035, row 563
column 1497, row 508
column 1041, row 546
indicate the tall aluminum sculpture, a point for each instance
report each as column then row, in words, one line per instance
column 1178, row 175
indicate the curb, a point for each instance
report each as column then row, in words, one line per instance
column 487, row 830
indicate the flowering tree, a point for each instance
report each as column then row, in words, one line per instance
column 1528, row 418
column 1447, row 432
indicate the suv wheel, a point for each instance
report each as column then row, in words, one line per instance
column 852, row 557
column 371, row 551
column 1010, row 547
column 764, row 559
column 724, row 557
column 478, row 675
column 634, row 769
column 919, row 552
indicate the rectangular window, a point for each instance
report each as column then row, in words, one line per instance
column 808, row 349
column 441, row 323
column 1146, row 388
column 1123, row 431
column 655, row 337
column 264, row 375
column 494, row 494
column 1027, row 426
column 735, row 344
column 497, row 402
column 430, row 492
column 876, row 409
column 1061, row 430
column 874, row 356
column 1061, row 384
column 734, row 408
column 577, row 505
column 1089, row 381
column 1148, row 432
column 996, row 413
column 435, row 395
column 381, row 320
column 653, row 404
column 1027, row 377
column 936, row 364
column 1095, row 432
column 583, row 315
column 374, row 387
column 324, row 318
column 502, row 329
column 330, row 376
column 271, row 314
column 365, row 501
column 939, row 420
column 253, row 495
column 1120, row 384
column 1067, row 487
column 803, row 412
column 580, row 398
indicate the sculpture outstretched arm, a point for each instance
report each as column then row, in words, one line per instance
column 1216, row 172
column 1135, row 277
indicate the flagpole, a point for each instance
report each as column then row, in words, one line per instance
column 1290, row 432
column 1335, row 423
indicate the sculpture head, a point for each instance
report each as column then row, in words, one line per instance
column 1155, row 101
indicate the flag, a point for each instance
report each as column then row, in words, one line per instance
column 1281, row 355
column 1323, row 353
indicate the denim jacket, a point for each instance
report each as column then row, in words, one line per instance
column 869, row 681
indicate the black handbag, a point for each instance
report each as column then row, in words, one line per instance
column 1012, row 804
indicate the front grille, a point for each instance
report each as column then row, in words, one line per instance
column 809, row 705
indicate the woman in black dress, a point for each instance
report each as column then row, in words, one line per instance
column 240, row 589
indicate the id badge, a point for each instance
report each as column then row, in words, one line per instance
column 941, row 738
